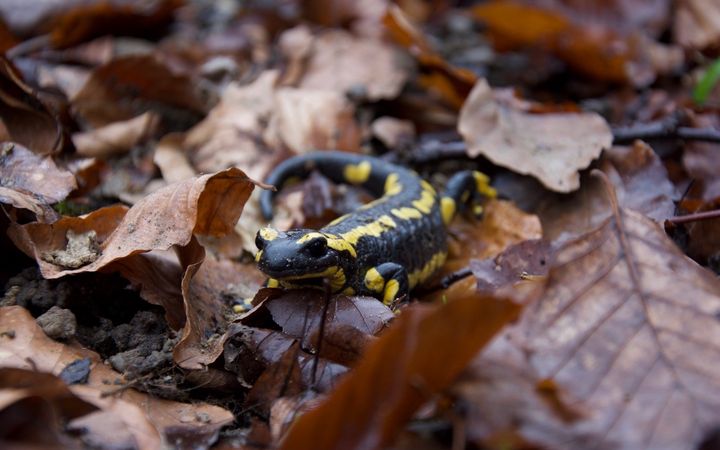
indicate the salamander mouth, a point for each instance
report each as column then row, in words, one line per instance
column 333, row 276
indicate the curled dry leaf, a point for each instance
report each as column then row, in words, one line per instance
column 171, row 159
column 551, row 147
column 452, row 84
column 131, row 85
column 128, row 416
column 420, row 355
column 308, row 119
column 40, row 405
column 591, row 48
column 206, row 287
column 26, row 171
column 697, row 23
column 364, row 67
column 640, row 180
column 20, row 200
column 207, row 205
column 27, row 118
column 115, row 138
column 625, row 330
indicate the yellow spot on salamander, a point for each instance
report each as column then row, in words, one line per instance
column 391, row 289
column 425, row 202
column 374, row 229
column 478, row 210
column 357, row 174
column 482, row 183
column 427, row 186
column 392, row 185
column 421, row 275
column 268, row 233
column 406, row 213
column 374, row 281
column 334, row 242
column 272, row 283
column 447, row 209
column 258, row 255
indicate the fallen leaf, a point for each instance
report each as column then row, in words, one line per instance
column 551, row 147
column 700, row 158
column 450, row 83
column 21, row 200
column 640, row 180
column 115, row 138
column 231, row 134
column 697, row 23
column 172, row 160
column 527, row 260
column 35, row 407
column 305, row 120
column 128, row 416
column 363, row 67
column 130, row 241
column 363, row 17
column 24, row 170
column 420, row 355
column 207, row 308
column 395, row 134
column 622, row 331
column 132, row 85
column 29, row 117
column 590, row 48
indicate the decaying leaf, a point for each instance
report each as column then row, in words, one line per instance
column 639, row 178
column 366, row 68
column 551, row 147
column 24, row 170
column 115, row 138
column 134, row 85
column 27, row 117
column 128, row 416
column 697, row 23
column 589, row 47
column 625, row 332
column 420, row 355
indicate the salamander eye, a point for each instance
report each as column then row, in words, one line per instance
column 316, row 248
column 259, row 241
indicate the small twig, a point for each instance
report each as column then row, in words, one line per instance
column 705, row 215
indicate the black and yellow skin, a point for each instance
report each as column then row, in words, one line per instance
column 386, row 247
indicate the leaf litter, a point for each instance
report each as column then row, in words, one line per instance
column 133, row 315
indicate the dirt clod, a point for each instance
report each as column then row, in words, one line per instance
column 58, row 323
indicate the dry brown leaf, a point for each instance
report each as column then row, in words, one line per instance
column 450, row 83
column 363, row 17
column 551, row 147
column 626, row 331
column 231, row 133
column 590, row 47
column 43, row 212
column 172, row 160
column 24, row 170
column 131, row 85
column 640, row 180
column 364, row 67
column 420, row 355
column 27, row 116
column 306, row 119
column 115, row 138
column 206, row 205
column 206, row 290
column 697, row 23
column 129, row 416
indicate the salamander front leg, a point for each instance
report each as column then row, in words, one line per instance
column 465, row 189
column 390, row 280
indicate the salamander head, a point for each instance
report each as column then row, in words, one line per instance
column 302, row 257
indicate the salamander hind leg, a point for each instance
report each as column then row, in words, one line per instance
column 389, row 280
column 466, row 189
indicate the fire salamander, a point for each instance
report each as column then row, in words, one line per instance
column 386, row 247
